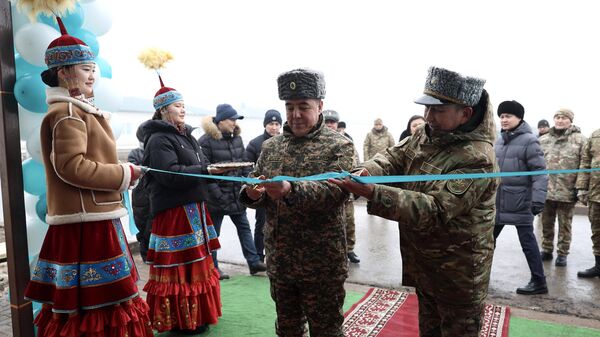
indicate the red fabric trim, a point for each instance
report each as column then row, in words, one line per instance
column 84, row 242
column 173, row 222
column 130, row 317
column 185, row 296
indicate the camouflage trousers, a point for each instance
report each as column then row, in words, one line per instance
column 350, row 227
column 318, row 304
column 564, row 210
column 594, row 216
column 441, row 319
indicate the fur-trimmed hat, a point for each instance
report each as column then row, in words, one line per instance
column 565, row 112
column 331, row 115
column 448, row 87
column 511, row 107
column 272, row 116
column 301, row 83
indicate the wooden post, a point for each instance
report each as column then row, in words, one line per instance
column 12, row 183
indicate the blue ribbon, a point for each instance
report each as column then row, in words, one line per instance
column 379, row 179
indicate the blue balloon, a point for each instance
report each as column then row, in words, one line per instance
column 41, row 207
column 105, row 68
column 30, row 92
column 89, row 38
column 34, row 177
column 23, row 67
column 73, row 20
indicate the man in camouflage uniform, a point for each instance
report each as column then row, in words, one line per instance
column 331, row 118
column 562, row 151
column 377, row 140
column 446, row 227
column 588, row 185
column 305, row 240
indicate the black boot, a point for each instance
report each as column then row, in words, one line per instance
column 222, row 275
column 353, row 257
column 561, row 261
column 592, row 272
column 533, row 288
column 546, row 256
column 257, row 267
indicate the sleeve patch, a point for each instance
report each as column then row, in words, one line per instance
column 458, row 186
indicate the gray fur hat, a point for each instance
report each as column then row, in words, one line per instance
column 301, row 83
column 331, row 115
column 447, row 87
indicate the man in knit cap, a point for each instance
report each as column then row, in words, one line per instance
column 562, row 151
column 305, row 243
column 272, row 123
column 377, row 140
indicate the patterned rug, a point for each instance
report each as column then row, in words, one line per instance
column 387, row 313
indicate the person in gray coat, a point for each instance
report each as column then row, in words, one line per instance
column 520, row 198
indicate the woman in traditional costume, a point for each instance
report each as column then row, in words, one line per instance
column 183, row 287
column 85, row 276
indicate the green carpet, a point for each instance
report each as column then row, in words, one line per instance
column 248, row 310
column 521, row 327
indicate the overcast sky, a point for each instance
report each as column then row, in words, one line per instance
column 374, row 54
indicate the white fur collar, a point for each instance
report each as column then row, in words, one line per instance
column 60, row 94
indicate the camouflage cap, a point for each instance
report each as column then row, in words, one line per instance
column 301, row 83
column 446, row 87
column 565, row 112
column 331, row 115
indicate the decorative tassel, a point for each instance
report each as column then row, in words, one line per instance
column 47, row 7
column 155, row 58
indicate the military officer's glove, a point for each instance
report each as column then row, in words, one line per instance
column 537, row 208
column 582, row 196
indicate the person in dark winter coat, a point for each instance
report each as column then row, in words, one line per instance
column 520, row 198
column 272, row 124
column 183, row 289
column 220, row 143
column 413, row 123
column 140, row 204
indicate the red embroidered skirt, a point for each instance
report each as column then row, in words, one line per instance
column 85, row 277
column 183, row 287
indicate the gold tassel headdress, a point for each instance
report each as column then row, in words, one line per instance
column 155, row 59
column 47, row 7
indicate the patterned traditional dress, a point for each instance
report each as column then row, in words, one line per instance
column 183, row 288
column 86, row 277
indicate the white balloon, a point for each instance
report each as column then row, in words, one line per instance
column 98, row 17
column 32, row 40
column 36, row 232
column 30, row 202
column 107, row 95
column 28, row 121
column 34, row 146
column 19, row 19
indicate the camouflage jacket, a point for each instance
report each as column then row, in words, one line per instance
column 305, row 235
column 590, row 158
column 376, row 142
column 562, row 151
column 446, row 227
